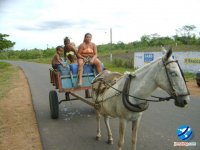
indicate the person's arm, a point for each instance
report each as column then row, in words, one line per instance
column 65, row 55
column 73, row 48
column 95, row 53
column 58, row 59
column 80, row 48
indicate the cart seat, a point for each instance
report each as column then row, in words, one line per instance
column 66, row 78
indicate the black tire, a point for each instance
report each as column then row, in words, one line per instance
column 198, row 84
column 54, row 104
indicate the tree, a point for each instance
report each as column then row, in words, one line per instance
column 186, row 35
column 4, row 43
column 186, row 30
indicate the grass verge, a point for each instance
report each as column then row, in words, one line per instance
column 7, row 72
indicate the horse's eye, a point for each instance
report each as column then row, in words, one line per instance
column 173, row 74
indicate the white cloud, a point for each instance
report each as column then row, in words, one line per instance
column 36, row 23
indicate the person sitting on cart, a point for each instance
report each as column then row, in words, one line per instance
column 70, row 51
column 57, row 58
column 87, row 53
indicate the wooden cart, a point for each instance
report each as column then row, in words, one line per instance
column 66, row 82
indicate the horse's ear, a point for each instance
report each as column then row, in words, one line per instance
column 168, row 54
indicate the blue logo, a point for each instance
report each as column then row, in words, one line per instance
column 184, row 132
column 148, row 57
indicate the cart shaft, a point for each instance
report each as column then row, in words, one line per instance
column 83, row 99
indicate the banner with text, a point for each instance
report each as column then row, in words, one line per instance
column 189, row 61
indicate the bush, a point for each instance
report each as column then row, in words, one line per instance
column 48, row 53
column 3, row 55
column 123, row 63
column 30, row 54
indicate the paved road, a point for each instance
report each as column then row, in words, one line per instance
column 76, row 127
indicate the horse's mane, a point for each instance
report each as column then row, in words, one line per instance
column 146, row 66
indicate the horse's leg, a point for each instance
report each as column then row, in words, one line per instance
column 122, row 127
column 110, row 138
column 98, row 116
column 135, row 125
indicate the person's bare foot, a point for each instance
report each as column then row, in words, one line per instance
column 79, row 83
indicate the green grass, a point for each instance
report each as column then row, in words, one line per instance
column 7, row 73
column 113, row 68
column 190, row 76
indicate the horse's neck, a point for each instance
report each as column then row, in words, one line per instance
column 144, row 83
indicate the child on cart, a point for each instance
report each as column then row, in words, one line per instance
column 70, row 51
column 56, row 61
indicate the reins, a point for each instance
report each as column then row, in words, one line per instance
column 160, row 99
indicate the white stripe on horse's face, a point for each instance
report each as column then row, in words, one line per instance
column 176, row 79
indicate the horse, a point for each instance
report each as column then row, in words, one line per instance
column 125, row 96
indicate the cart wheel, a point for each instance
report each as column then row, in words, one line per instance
column 54, row 105
column 198, row 84
column 87, row 94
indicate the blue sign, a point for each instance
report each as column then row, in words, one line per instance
column 148, row 57
column 184, row 132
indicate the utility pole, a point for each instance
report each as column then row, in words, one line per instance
column 111, row 44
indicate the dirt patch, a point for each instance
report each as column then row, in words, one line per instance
column 193, row 88
column 18, row 126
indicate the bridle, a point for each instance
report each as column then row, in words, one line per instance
column 173, row 91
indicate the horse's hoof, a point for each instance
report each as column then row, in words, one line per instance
column 110, row 141
column 98, row 138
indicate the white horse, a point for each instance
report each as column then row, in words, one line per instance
column 125, row 96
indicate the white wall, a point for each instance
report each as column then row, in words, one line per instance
column 189, row 61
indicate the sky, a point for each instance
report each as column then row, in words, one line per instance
column 45, row 23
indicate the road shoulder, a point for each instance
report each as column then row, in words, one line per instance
column 18, row 126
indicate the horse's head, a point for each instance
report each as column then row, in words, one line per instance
column 171, row 79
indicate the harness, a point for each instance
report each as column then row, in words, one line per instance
column 125, row 98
